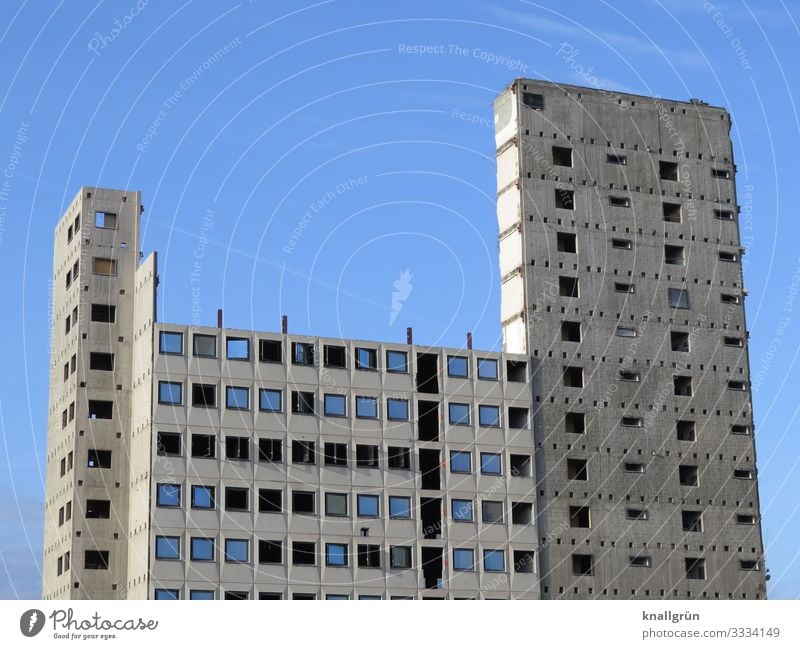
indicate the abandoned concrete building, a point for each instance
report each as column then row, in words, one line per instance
column 607, row 452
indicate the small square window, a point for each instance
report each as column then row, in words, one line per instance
column 562, row 156
column 237, row 448
column 565, row 199
column 615, row 159
column 399, row 507
column 204, row 446
column 366, row 359
column 619, row 201
column 396, row 361
column 202, row 549
column 203, row 497
column 237, row 398
column 487, row 369
column 397, row 409
column 366, row 407
column 270, row 400
column 399, row 457
column 457, row 366
column 335, row 356
column 494, row 560
column 168, row 495
column 270, row 351
column 367, row 456
column 270, row 450
column 237, row 499
column 335, row 504
column 492, row 511
column 463, row 559
column 162, row 594
column 237, row 550
column 458, row 414
column 460, row 462
column 368, row 506
column 270, row 501
column 168, row 443
column 462, row 510
column 302, row 353
column 204, row 395
column 170, row 342
column 567, row 242
column 369, row 556
column 335, row 405
column 303, row 452
column 399, row 556
column 335, row 454
column 204, row 346
column 201, row 594
column 237, row 349
column 102, row 266
column 303, row 502
column 491, row 464
column 168, row 547
column 270, row 552
column 105, row 220
column 303, row 403
column 304, row 553
column 489, row 416
column 667, row 170
column 170, row 393
column 678, row 298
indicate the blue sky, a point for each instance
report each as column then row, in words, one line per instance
column 318, row 160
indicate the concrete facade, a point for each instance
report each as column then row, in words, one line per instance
column 622, row 280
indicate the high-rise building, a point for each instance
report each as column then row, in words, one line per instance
column 621, row 266
column 203, row 462
column 607, row 452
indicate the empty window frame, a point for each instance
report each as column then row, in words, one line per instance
column 573, row 377
column 458, row 366
column 519, row 465
column 622, row 244
column 204, row 445
column 565, row 199
column 368, row 556
column 671, row 212
column 304, row 553
column 204, row 395
column 683, row 385
column 104, row 313
column 104, row 266
column 237, row 499
column 237, row 349
column 624, row 287
column 399, row 556
column 575, row 422
column 728, row 256
column 720, row 173
column 398, row 457
column 740, row 429
column 678, row 298
column 270, row 351
column 738, row 386
column 335, row 405
column 582, row 564
column 517, row 417
column 396, row 361
column 303, row 403
column 516, row 371
column 95, row 560
column 302, row 353
column 105, row 409
column 732, row 341
column 303, row 502
column 685, row 430
column 303, row 452
column 633, row 467
column 688, row 475
column 335, row 454
column 367, row 456
column 336, row 504
column 492, row 511
column 335, row 356
column 636, row 514
column 270, row 450
column 98, row 509
column 101, row 361
column 571, row 332
column 366, row 407
column 745, row 519
column 579, row 516
column 168, row 495
column 692, row 521
column 489, row 416
column 170, row 342
column 728, row 298
column 397, row 409
column 723, row 215
column 616, row 159
column 203, row 497
column 568, row 287
column 743, row 474
column 673, row 255
column 366, row 359
column 522, row 513
column 270, row 501
column 627, row 332
column 270, row 400
column 577, row 469
column 533, row 100
column 667, row 170
column 237, row 448
column 105, row 220
column 619, row 201
column 632, row 422
column 237, row 398
column 566, row 242
column 204, row 346
column 679, row 341
column 641, row 561
column 562, row 156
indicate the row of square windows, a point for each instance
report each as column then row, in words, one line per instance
column 334, row 356
column 204, row 594
column 338, row 555
column 462, row 510
column 677, row 298
column 204, row 395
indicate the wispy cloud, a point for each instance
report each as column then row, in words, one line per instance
column 625, row 44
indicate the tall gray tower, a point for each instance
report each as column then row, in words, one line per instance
column 622, row 280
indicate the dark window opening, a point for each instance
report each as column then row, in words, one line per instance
column 732, row 341
column 523, row 561
column 270, row 351
column 517, row 417
column 562, row 156
column 270, row 552
column 723, row 215
column 303, row 353
column 335, row 356
column 369, row 556
column 619, row 201
column 237, row 448
column 429, row 466
column 575, row 422
column 577, row 469
column 204, row 445
column 367, row 456
column 614, row 159
column 101, row 361
column 671, row 212
column 688, row 475
column 633, row 467
column 579, row 517
column 533, row 100
column 98, row 509
column 622, row 244
column 335, row 454
column 695, row 568
column 270, row 450
column 101, row 409
column 168, row 443
column 582, row 564
column 98, row 459
column 428, row 373
column 303, row 403
column 303, row 502
column 428, row 421
column 303, row 452
column 96, row 560
column 673, row 255
column 568, row 286
column 520, row 465
column 679, row 341
column 204, row 396
column 304, row 554
column 431, row 515
column 667, row 170
column 270, row 500
column 636, row 514
column 432, row 567
column 236, row 499
column 571, row 332
column 516, row 371
column 565, row 199
column 683, row 386
column 685, row 431
column 566, row 242
column 692, row 521
column 641, row 561
column 522, row 513
column 399, row 457
column 573, row 377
